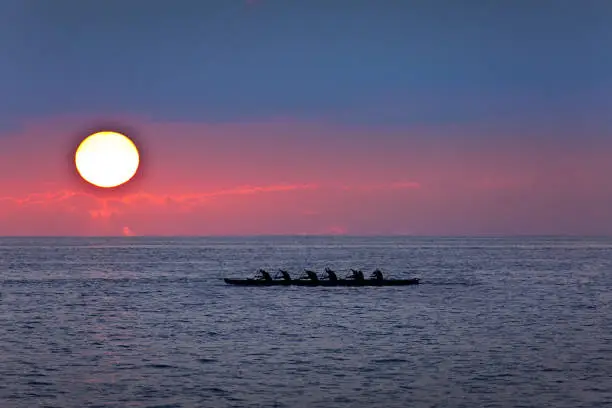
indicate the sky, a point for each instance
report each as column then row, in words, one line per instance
column 310, row 117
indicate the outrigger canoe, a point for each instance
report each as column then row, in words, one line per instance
column 312, row 279
column 321, row 282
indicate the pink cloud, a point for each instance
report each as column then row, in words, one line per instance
column 399, row 185
column 128, row 232
column 336, row 230
column 286, row 176
column 273, row 207
column 103, row 207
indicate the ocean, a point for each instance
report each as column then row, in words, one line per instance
column 149, row 322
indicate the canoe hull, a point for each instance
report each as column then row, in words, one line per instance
column 339, row 282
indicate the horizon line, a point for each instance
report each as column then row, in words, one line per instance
column 483, row 235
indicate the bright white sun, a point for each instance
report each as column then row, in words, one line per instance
column 107, row 159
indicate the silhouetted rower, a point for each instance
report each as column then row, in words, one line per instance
column 357, row 275
column 377, row 274
column 313, row 276
column 331, row 275
column 285, row 274
column 265, row 275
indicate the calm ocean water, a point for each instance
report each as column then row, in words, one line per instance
column 148, row 322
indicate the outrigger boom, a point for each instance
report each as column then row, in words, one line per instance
column 310, row 278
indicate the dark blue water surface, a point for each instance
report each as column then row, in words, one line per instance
column 148, row 322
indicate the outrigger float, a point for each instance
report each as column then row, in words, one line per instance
column 310, row 278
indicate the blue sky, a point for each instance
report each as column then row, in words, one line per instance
column 380, row 62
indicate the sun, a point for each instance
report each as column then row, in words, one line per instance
column 107, row 159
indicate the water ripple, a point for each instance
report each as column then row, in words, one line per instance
column 140, row 322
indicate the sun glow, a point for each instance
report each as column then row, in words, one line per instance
column 107, row 159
